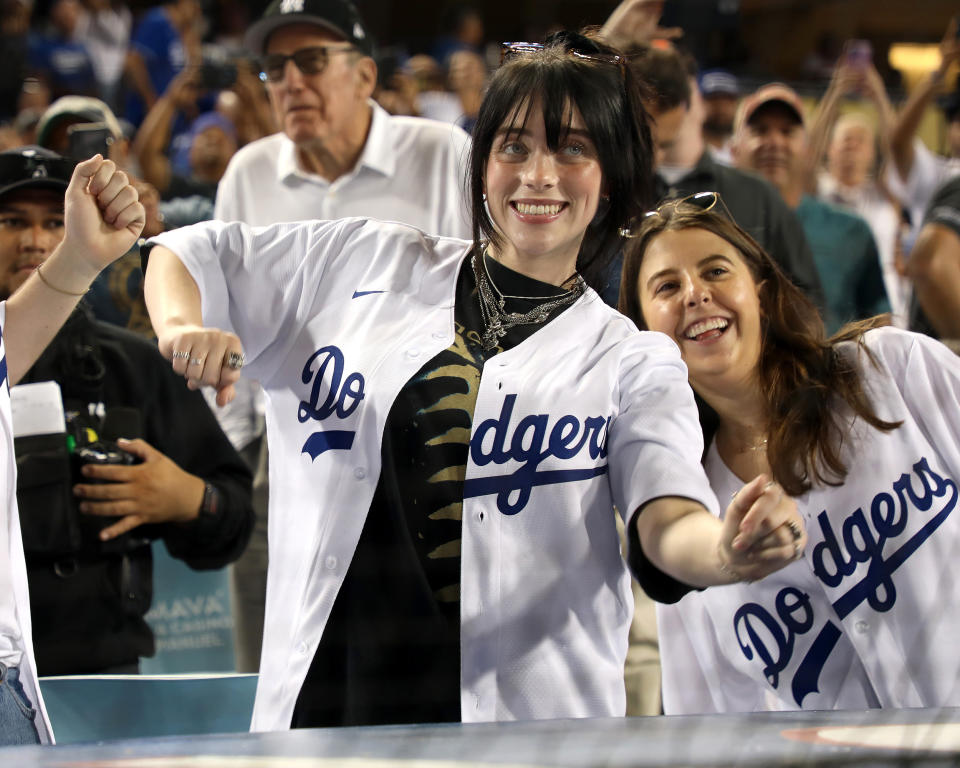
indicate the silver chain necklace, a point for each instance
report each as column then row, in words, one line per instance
column 497, row 321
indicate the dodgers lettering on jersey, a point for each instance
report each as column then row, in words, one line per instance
column 533, row 440
column 341, row 397
column 859, row 538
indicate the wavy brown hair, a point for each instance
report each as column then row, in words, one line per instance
column 803, row 377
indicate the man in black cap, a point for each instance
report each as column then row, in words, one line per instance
column 337, row 154
column 146, row 459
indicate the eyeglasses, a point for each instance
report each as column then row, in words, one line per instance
column 510, row 51
column 310, row 61
column 704, row 201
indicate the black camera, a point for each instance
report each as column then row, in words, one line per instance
column 48, row 467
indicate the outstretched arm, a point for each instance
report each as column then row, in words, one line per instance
column 102, row 220
column 760, row 533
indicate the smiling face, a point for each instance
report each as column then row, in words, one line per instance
column 695, row 287
column 328, row 107
column 541, row 199
column 31, row 226
column 773, row 143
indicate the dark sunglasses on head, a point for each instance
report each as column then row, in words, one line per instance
column 310, row 61
column 704, row 201
column 516, row 50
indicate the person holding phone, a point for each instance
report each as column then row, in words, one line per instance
column 101, row 221
column 916, row 171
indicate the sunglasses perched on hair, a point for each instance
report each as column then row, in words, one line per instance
column 704, row 201
column 510, row 51
column 310, row 61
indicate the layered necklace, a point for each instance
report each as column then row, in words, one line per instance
column 496, row 320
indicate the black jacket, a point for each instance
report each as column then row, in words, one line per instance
column 87, row 607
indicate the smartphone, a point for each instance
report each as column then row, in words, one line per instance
column 858, row 53
column 84, row 140
column 217, row 76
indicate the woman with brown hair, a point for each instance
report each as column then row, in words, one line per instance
column 860, row 428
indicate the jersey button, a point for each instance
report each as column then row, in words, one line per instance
column 331, row 563
column 438, row 335
column 412, row 353
column 359, row 473
column 861, row 626
column 302, row 649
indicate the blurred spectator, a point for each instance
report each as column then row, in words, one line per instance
column 212, row 142
column 103, row 26
column 754, row 204
column 53, row 130
column 58, row 58
column 14, row 55
column 246, row 105
column 397, row 88
column 855, row 156
column 916, row 172
column 934, row 266
column 420, row 88
column 462, row 30
column 467, row 76
column 721, row 94
column 771, row 139
column 116, row 296
column 186, row 485
column 821, row 61
column 34, row 96
column 9, row 137
column 635, row 23
column 165, row 40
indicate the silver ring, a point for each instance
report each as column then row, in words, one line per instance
column 795, row 529
column 196, row 361
column 235, row 361
column 180, row 355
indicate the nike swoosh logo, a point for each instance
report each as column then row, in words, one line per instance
column 358, row 294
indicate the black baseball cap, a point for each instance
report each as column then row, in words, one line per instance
column 338, row 16
column 34, row 167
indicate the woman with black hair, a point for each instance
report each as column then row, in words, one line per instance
column 861, row 429
column 451, row 424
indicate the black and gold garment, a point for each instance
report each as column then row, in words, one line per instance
column 390, row 652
